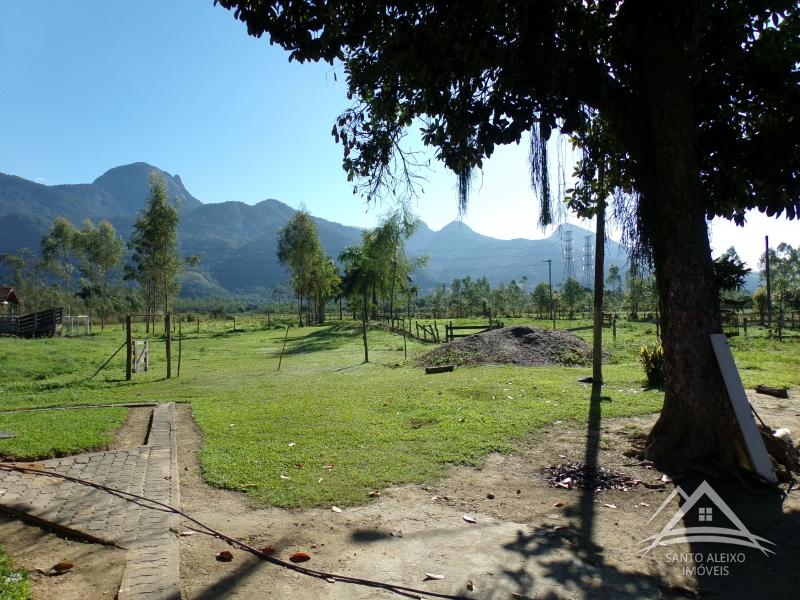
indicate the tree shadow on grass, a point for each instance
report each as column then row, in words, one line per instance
column 329, row 338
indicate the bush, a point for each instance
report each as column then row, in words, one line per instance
column 652, row 359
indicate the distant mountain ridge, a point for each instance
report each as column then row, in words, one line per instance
column 237, row 241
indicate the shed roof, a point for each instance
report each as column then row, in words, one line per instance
column 8, row 295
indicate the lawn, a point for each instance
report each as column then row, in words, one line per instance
column 327, row 429
column 14, row 584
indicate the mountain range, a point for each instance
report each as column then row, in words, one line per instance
column 237, row 241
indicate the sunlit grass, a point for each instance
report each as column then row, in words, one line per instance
column 378, row 424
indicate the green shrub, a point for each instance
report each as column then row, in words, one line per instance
column 652, row 359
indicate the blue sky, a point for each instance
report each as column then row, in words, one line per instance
column 89, row 85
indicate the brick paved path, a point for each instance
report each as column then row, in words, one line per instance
column 152, row 571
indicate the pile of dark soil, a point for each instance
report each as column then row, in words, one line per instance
column 587, row 477
column 520, row 345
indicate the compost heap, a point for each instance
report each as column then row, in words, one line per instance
column 520, row 345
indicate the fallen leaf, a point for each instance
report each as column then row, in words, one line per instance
column 470, row 585
column 558, row 504
column 470, row 519
column 224, row 556
column 327, row 467
column 429, row 576
column 645, row 504
column 320, row 480
column 374, row 494
column 60, row 568
column 186, row 533
column 607, row 505
column 490, row 496
column 336, row 509
column 299, row 557
column 268, row 550
column 285, row 477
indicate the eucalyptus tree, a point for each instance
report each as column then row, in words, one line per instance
column 110, row 250
column 299, row 248
column 59, row 250
column 698, row 105
column 154, row 245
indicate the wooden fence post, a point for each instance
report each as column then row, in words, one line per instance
column 168, row 330
column 128, row 343
column 180, row 344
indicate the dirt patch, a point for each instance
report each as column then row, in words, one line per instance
column 134, row 430
column 529, row 539
column 97, row 571
column 519, row 345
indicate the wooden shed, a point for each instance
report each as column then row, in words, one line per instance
column 9, row 302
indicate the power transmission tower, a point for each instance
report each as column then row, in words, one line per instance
column 566, row 249
column 588, row 263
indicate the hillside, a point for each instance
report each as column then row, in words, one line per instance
column 237, row 241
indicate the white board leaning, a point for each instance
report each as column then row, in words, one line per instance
column 741, row 407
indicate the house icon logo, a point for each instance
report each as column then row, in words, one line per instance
column 712, row 509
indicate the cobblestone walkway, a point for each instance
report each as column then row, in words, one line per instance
column 152, row 570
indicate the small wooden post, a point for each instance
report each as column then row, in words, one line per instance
column 234, row 323
column 168, row 330
column 180, row 340
column 280, row 360
column 405, row 347
column 198, row 325
column 129, row 344
column 614, row 327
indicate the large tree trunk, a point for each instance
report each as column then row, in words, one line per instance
column 696, row 427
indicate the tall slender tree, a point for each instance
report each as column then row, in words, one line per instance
column 299, row 248
column 154, row 242
column 359, row 278
column 59, row 247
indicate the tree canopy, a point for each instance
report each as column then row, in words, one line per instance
column 689, row 108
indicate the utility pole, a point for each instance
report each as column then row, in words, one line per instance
column 550, row 282
column 769, row 289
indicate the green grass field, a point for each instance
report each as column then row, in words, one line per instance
column 272, row 434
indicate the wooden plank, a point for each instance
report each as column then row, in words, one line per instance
column 778, row 392
column 442, row 369
column 741, row 407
